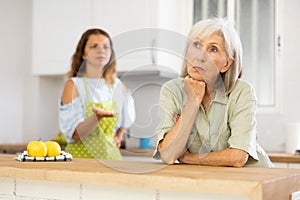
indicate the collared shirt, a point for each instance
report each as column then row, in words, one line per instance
column 229, row 121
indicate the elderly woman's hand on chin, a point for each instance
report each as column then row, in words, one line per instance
column 194, row 89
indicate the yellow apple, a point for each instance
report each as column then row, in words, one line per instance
column 36, row 149
column 53, row 148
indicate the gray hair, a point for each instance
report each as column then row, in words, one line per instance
column 233, row 47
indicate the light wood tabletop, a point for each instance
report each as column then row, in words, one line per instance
column 255, row 183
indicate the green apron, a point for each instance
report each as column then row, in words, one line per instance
column 100, row 142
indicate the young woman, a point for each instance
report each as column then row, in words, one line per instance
column 209, row 112
column 95, row 107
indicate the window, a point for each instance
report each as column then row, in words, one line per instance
column 257, row 26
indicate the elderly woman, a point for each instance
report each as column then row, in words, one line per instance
column 209, row 112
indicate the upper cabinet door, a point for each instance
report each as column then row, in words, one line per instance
column 119, row 16
column 137, row 27
column 57, row 27
column 130, row 24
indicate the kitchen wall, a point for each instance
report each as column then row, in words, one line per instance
column 29, row 103
column 145, row 91
column 15, row 40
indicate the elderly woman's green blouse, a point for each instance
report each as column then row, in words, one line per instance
column 229, row 121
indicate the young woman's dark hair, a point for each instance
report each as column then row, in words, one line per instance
column 78, row 63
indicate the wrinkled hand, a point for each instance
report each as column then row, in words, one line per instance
column 101, row 113
column 194, row 89
column 183, row 157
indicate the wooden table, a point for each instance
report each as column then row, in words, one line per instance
column 12, row 148
column 252, row 183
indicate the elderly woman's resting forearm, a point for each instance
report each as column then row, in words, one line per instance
column 227, row 157
column 174, row 143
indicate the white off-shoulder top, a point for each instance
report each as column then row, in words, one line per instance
column 73, row 113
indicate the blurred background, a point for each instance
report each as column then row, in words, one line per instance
column 38, row 38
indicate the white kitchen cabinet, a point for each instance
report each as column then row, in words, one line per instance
column 57, row 27
column 287, row 165
column 135, row 26
column 176, row 18
column 285, row 160
column 130, row 24
column 280, row 165
column 117, row 16
column 294, row 165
